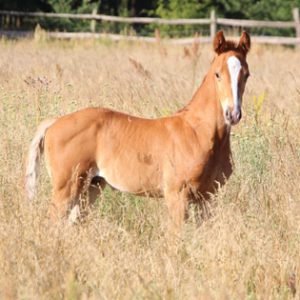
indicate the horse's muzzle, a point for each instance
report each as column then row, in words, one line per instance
column 236, row 116
column 233, row 117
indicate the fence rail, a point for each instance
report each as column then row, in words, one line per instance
column 98, row 17
column 255, row 23
column 213, row 22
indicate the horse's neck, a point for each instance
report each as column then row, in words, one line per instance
column 204, row 111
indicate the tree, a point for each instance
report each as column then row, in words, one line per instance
column 176, row 9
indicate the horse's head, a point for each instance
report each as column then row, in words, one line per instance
column 230, row 74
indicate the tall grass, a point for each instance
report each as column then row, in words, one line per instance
column 247, row 249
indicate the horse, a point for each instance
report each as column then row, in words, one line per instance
column 181, row 157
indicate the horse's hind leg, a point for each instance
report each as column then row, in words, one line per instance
column 67, row 187
column 67, row 201
column 90, row 194
column 63, row 200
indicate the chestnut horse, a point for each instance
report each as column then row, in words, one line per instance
column 176, row 157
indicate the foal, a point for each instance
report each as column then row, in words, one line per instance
column 177, row 157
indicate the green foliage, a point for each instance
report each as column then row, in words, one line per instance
column 248, row 9
column 273, row 10
column 62, row 6
column 258, row 103
column 69, row 6
column 176, row 9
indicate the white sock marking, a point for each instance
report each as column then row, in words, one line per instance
column 74, row 215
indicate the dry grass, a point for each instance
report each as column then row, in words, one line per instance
column 247, row 249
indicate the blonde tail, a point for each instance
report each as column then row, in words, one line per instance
column 36, row 149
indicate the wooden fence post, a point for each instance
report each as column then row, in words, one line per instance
column 213, row 24
column 297, row 23
column 18, row 22
column 157, row 35
column 93, row 22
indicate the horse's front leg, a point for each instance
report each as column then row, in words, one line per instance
column 177, row 203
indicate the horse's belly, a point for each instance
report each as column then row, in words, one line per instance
column 114, row 183
column 132, row 181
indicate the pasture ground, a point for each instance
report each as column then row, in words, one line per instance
column 247, row 249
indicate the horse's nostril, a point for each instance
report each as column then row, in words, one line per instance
column 227, row 113
column 236, row 116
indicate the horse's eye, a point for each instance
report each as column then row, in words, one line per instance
column 218, row 75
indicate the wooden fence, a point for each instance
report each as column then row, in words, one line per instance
column 213, row 22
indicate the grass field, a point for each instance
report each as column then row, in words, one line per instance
column 249, row 248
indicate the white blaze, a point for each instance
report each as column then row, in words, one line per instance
column 234, row 67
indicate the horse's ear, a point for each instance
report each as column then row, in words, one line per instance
column 219, row 42
column 245, row 42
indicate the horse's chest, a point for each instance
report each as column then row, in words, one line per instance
column 216, row 171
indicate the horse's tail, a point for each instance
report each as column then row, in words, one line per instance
column 36, row 149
